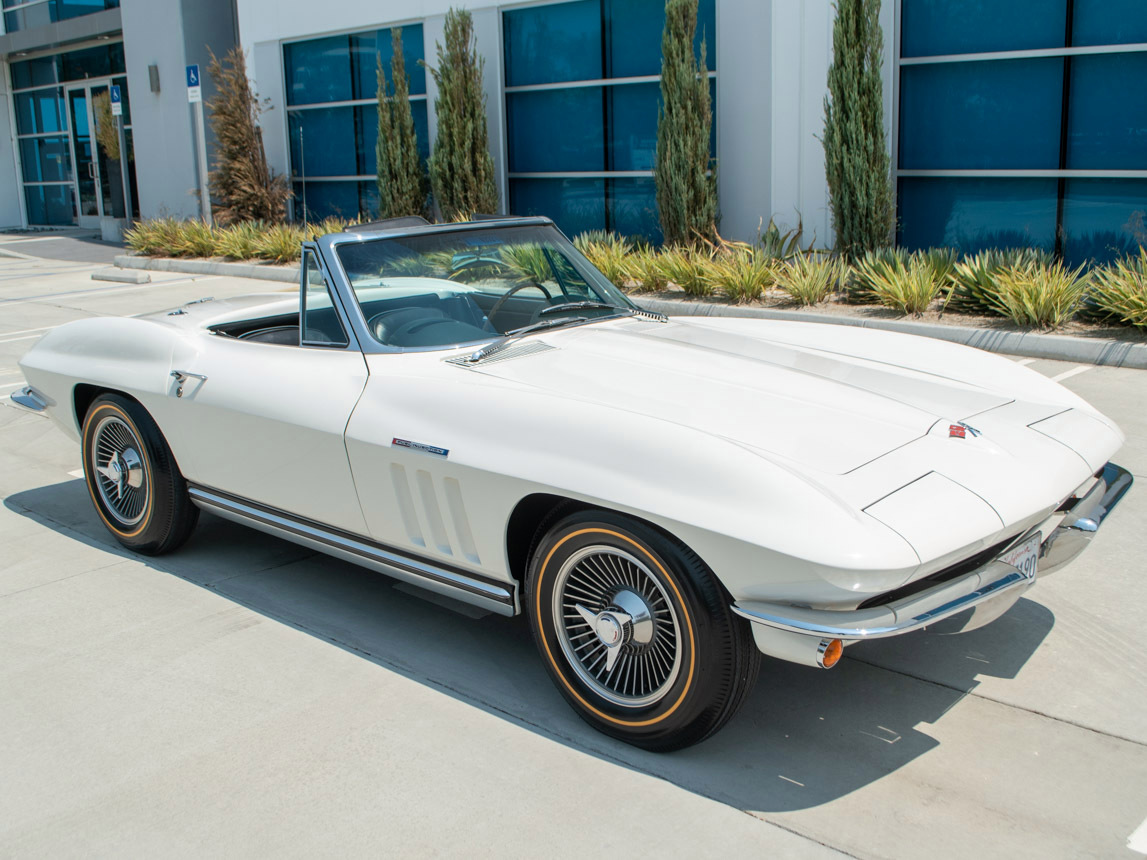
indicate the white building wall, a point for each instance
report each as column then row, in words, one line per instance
column 11, row 199
column 772, row 62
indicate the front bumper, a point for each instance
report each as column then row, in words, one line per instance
column 976, row 598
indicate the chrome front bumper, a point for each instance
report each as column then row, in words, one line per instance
column 977, row 597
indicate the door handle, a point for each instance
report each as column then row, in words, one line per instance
column 92, row 170
column 181, row 377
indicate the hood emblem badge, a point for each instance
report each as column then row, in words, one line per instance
column 960, row 430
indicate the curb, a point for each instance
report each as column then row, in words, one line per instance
column 1057, row 347
column 261, row 271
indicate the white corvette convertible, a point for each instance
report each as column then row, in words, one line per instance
column 475, row 409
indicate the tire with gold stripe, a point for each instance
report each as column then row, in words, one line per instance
column 133, row 479
column 636, row 631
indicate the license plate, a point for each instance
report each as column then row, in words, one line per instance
column 1024, row 557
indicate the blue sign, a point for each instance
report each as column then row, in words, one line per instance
column 117, row 101
column 193, row 75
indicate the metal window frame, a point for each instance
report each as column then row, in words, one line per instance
column 1062, row 174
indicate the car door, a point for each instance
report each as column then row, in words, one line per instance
column 265, row 421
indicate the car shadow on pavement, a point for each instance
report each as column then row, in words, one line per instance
column 804, row 738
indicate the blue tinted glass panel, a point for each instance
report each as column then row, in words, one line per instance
column 75, row 8
column 556, row 130
column 575, row 205
column 635, row 28
column 366, row 50
column 973, row 214
column 34, row 73
column 1103, row 218
column 633, row 125
column 49, row 204
column 1109, row 22
column 368, row 199
column 92, row 62
column 29, row 17
column 46, row 159
column 318, row 200
column 367, row 129
column 318, row 71
column 996, row 114
column 633, row 208
column 323, row 142
column 930, row 28
column 40, row 111
column 1107, row 123
column 559, row 42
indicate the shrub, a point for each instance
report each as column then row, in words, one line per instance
column 461, row 169
column 684, row 173
column 1039, row 295
column 688, row 268
column 908, row 289
column 781, row 246
column 401, row 181
column 607, row 252
column 740, row 272
column 245, row 186
column 239, row 241
column 644, row 267
column 973, row 280
column 529, row 260
column 280, row 243
column 1120, row 289
column 855, row 153
column 194, row 239
column 154, row 238
column 875, row 266
column 809, row 279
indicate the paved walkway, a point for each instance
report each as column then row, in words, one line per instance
column 75, row 245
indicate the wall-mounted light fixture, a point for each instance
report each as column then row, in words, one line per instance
column 153, row 77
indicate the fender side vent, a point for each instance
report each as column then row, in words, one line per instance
column 532, row 348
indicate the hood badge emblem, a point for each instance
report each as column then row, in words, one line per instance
column 960, row 430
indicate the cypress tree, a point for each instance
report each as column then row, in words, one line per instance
column 461, row 169
column 401, row 182
column 684, row 172
column 243, row 185
column 855, row 156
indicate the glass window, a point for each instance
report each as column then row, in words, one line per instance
column 576, row 205
column 993, row 114
column 1107, row 123
column 931, row 28
column 442, row 289
column 45, row 159
column 40, row 111
column 1103, row 219
column 322, row 142
column 973, row 214
column 318, row 70
column 36, row 72
column 93, row 62
column 632, row 125
column 558, row 42
column 533, row 120
column 633, row 208
column 316, row 200
column 367, row 134
column 1109, row 22
column 321, row 323
column 49, row 204
column 368, row 48
column 29, row 17
column 635, row 28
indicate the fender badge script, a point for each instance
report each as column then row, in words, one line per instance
column 419, row 446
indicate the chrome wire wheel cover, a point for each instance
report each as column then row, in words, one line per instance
column 118, row 468
column 617, row 627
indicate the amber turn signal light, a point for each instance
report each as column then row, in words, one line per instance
column 829, row 653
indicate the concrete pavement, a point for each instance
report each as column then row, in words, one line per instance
column 244, row 696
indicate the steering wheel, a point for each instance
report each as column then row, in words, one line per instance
column 516, row 288
column 389, row 325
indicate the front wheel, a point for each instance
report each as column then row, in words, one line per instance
column 636, row 632
column 132, row 477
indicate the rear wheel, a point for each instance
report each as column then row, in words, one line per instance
column 636, row 631
column 132, row 477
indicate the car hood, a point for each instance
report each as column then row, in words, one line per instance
column 825, row 411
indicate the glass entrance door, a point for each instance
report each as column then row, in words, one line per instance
column 95, row 147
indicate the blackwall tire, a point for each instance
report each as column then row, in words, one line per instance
column 636, row 632
column 133, row 479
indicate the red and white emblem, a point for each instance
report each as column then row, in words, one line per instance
column 960, row 430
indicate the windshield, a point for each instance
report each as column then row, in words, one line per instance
column 470, row 285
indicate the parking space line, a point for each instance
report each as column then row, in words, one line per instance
column 1137, row 841
column 25, row 337
column 1025, row 361
column 12, row 384
column 26, row 331
column 1075, row 371
column 103, row 291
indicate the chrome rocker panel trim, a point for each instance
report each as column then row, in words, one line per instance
column 988, row 591
column 30, row 399
column 453, row 582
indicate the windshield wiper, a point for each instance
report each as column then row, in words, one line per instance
column 518, row 333
column 578, row 306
